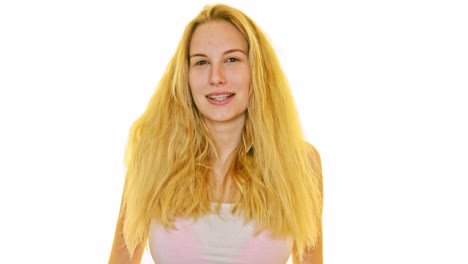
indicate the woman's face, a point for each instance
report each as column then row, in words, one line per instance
column 219, row 72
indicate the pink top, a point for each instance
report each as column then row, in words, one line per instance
column 224, row 238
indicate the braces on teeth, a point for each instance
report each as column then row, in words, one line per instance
column 220, row 97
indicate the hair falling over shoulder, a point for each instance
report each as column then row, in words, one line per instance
column 276, row 175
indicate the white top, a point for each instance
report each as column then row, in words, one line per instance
column 223, row 238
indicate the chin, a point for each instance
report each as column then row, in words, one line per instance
column 225, row 118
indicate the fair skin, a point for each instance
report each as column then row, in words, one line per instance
column 311, row 256
column 119, row 253
column 219, row 80
column 219, row 65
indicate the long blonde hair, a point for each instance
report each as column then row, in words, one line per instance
column 276, row 175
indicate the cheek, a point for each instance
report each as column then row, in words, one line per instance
column 246, row 83
column 244, row 77
column 194, row 83
column 192, row 87
column 190, row 81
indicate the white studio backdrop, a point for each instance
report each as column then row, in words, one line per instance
column 380, row 86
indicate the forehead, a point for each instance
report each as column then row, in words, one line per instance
column 217, row 34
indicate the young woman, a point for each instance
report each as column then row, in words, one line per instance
column 218, row 170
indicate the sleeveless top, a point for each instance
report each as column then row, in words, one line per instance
column 218, row 239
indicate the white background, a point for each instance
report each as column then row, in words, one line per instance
column 380, row 86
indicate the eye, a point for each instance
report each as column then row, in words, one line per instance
column 201, row 62
column 232, row 59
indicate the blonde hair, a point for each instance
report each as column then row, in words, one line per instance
column 276, row 175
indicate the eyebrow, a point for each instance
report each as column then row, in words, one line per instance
column 224, row 53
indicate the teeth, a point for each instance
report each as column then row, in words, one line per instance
column 219, row 97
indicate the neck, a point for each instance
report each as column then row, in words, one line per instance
column 227, row 136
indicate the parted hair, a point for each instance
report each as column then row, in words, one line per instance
column 275, row 174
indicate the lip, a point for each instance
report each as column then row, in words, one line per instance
column 223, row 102
column 220, row 92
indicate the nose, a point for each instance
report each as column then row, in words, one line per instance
column 217, row 75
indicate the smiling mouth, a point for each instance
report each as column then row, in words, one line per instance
column 219, row 97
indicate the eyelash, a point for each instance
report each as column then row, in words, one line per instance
column 203, row 62
column 232, row 59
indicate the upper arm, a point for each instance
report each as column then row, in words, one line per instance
column 314, row 255
column 311, row 255
column 316, row 161
column 119, row 252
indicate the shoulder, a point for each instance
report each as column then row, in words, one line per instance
column 314, row 155
column 316, row 163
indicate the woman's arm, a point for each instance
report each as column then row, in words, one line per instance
column 314, row 255
column 311, row 255
column 119, row 252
